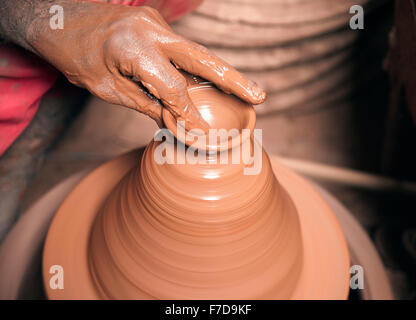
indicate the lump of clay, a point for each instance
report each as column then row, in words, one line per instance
column 197, row 231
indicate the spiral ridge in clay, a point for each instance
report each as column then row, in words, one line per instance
column 204, row 231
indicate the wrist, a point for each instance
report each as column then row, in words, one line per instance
column 27, row 22
column 17, row 16
column 39, row 32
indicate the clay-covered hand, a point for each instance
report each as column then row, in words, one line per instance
column 129, row 56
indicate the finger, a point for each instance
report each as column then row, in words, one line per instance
column 166, row 83
column 198, row 60
column 130, row 95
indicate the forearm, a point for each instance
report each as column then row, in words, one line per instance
column 22, row 19
column 102, row 47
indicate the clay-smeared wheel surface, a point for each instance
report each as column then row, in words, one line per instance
column 325, row 265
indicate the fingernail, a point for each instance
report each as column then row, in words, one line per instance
column 258, row 94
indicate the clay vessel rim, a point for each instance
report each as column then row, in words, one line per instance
column 248, row 115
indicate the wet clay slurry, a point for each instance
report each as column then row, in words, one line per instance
column 196, row 231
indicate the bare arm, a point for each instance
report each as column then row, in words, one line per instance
column 103, row 47
column 17, row 16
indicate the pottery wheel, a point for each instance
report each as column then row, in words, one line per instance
column 23, row 245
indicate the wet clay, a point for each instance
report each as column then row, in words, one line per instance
column 193, row 231
column 325, row 268
column 130, row 56
column 198, row 231
column 220, row 111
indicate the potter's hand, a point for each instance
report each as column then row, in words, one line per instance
column 121, row 54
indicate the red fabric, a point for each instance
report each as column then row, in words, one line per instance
column 24, row 78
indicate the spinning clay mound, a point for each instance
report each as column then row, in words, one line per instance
column 186, row 230
column 178, row 232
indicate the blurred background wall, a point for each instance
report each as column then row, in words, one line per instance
column 327, row 93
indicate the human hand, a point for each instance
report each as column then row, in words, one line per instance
column 127, row 56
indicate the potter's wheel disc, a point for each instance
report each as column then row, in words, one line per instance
column 325, row 272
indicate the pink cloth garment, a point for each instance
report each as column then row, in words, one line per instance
column 25, row 78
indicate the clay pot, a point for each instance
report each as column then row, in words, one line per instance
column 186, row 230
column 198, row 231
column 182, row 232
column 221, row 111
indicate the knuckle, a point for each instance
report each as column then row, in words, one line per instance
column 174, row 111
column 149, row 10
column 200, row 48
column 122, row 23
column 146, row 14
column 147, row 109
column 194, row 47
column 103, row 89
column 175, row 91
column 117, row 40
column 177, row 84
